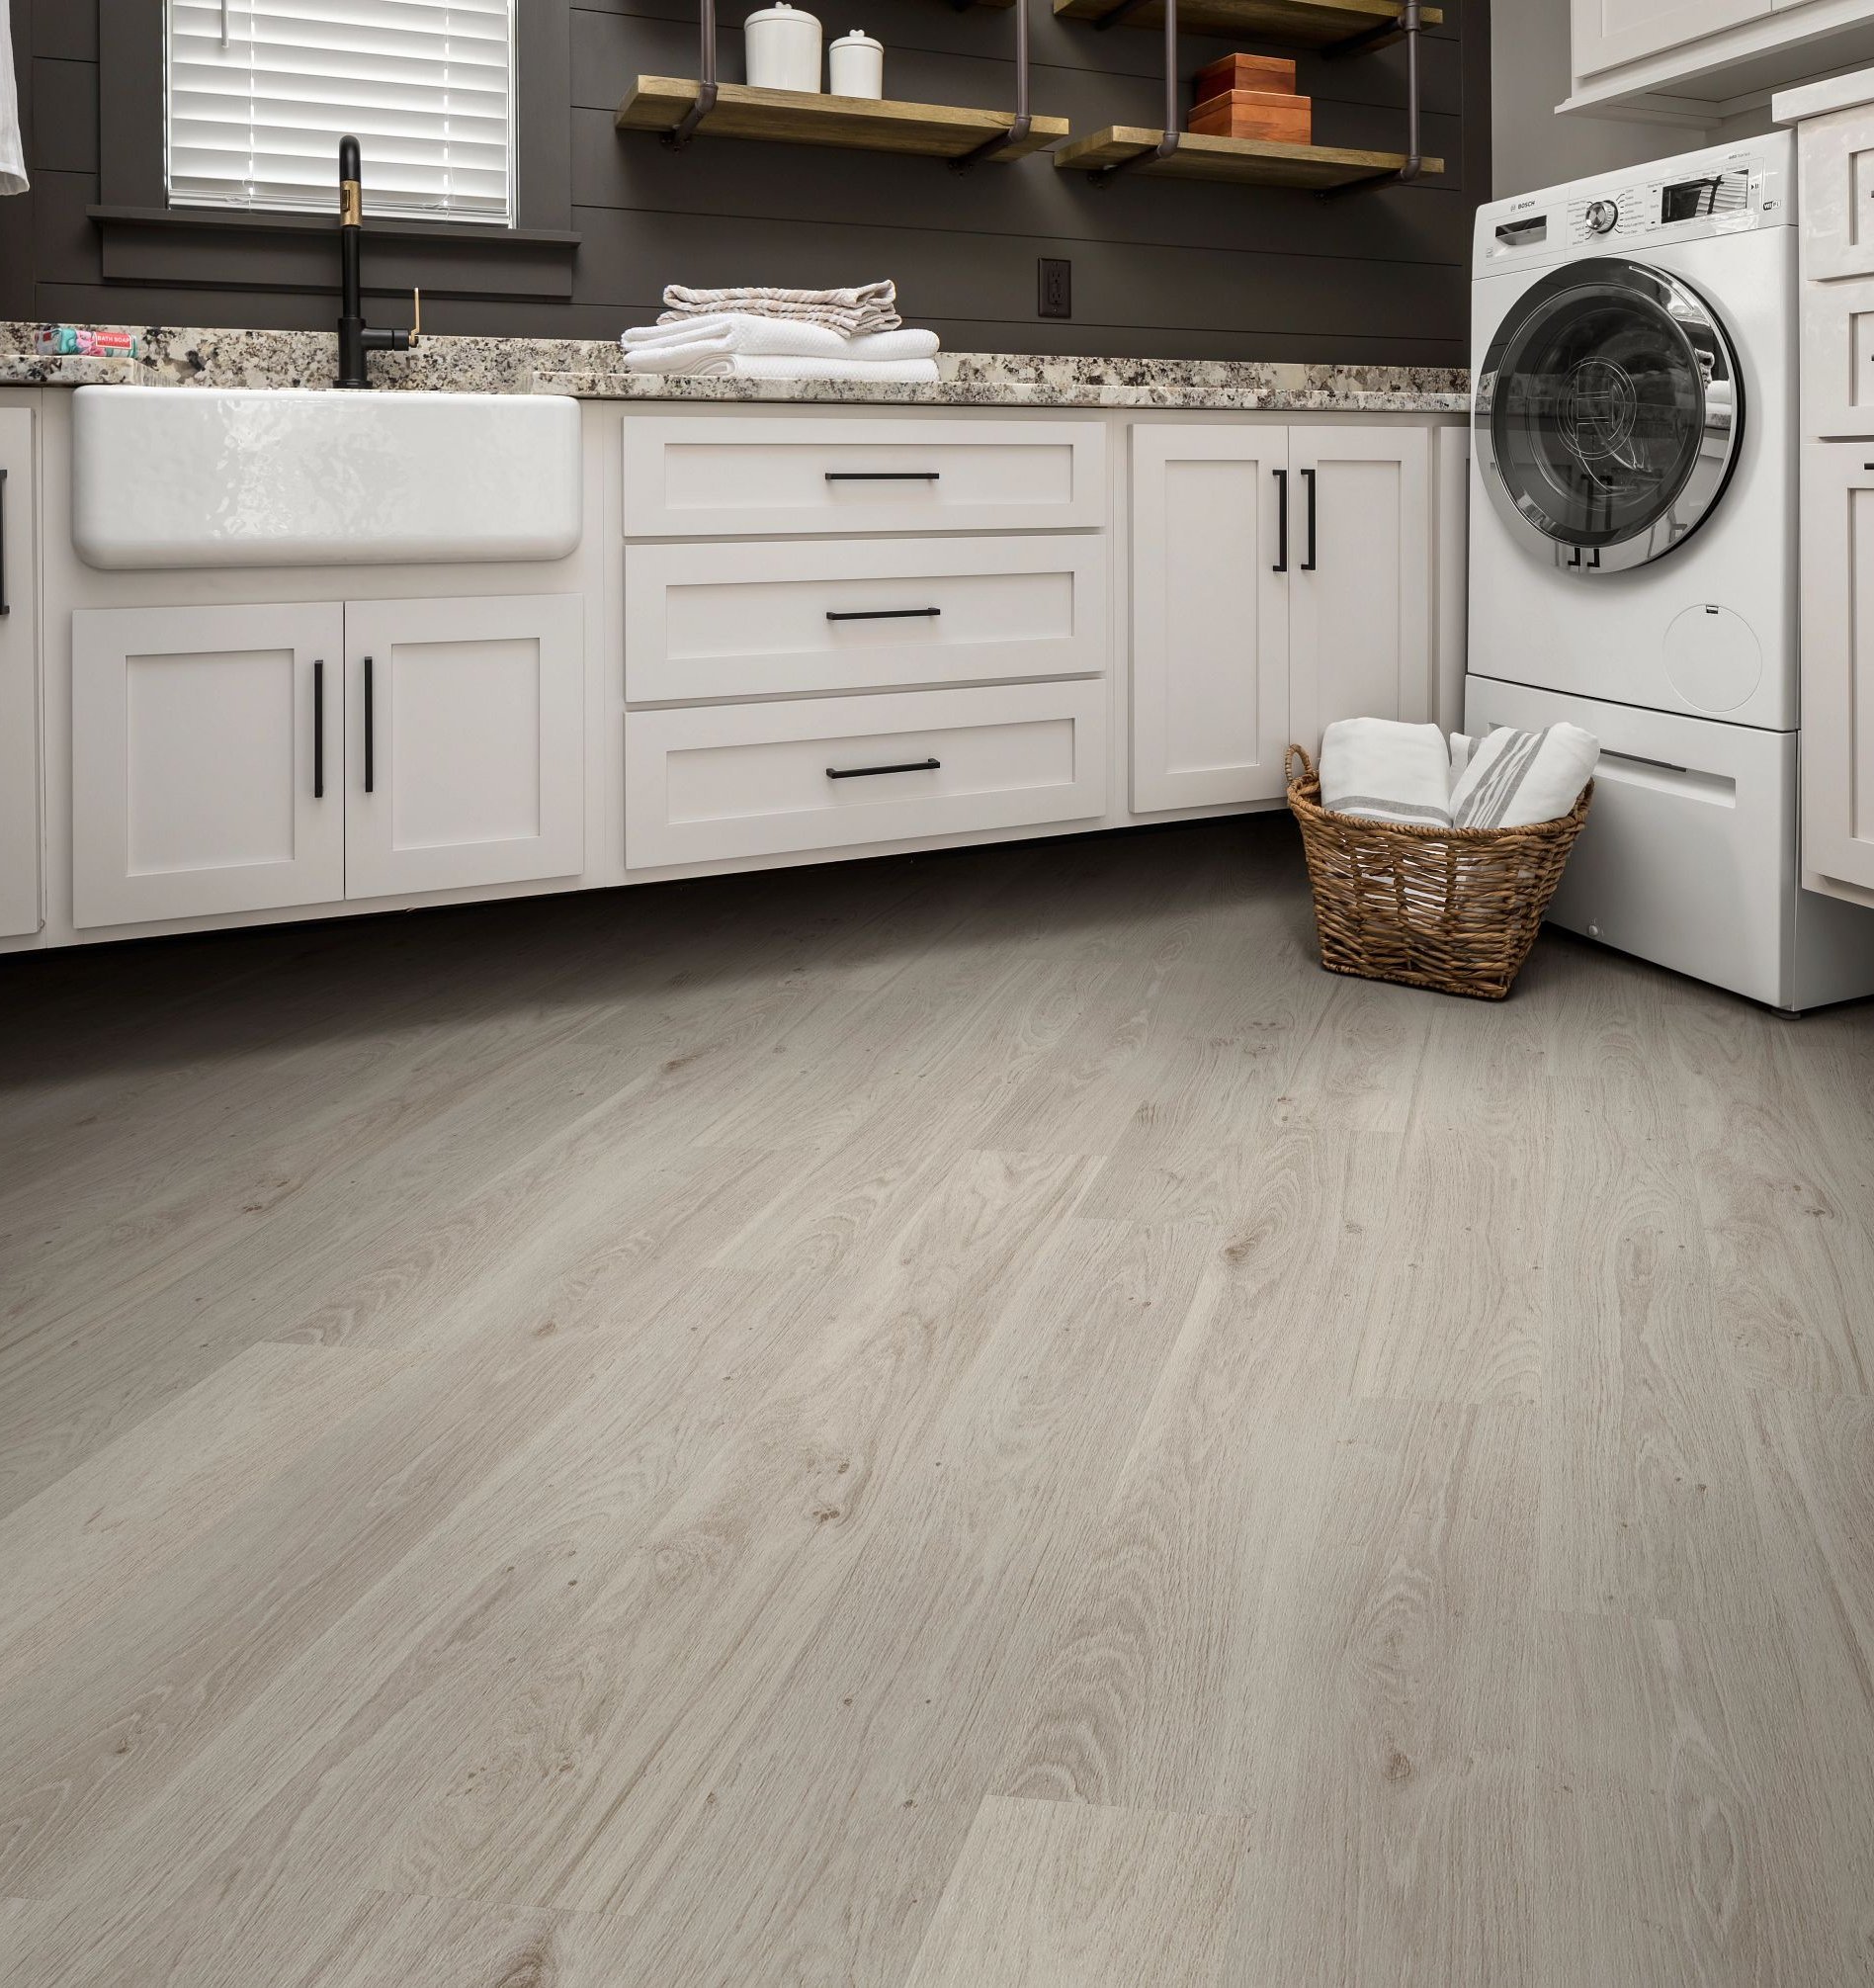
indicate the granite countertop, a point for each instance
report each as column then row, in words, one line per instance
column 594, row 369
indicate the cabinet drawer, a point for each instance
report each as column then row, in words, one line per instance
column 1837, row 362
column 706, row 621
column 695, row 477
column 719, row 782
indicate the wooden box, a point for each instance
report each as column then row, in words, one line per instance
column 1244, row 73
column 1271, row 115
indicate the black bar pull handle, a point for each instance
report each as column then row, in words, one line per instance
column 4, row 608
column 884, row 613
column 867, row 772
column 1281, row 521
column 1307, row 564
column 318, row 730
column 882, row 475
column 371, row 732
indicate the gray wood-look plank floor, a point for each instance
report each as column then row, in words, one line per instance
column 939, row 1424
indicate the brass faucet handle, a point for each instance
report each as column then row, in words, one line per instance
column 416, row 328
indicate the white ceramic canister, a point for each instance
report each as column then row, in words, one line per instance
column 783, row 45
column 857, row 63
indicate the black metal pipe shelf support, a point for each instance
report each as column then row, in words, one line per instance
column 708, row 90
column 1411, row 26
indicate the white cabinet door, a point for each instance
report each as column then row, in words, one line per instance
column 1210, row 660
column 1835, row 170
column 1608, row 33
column 206, row 752
column 466, row 743
column 1360, row 617
column 1837, row 619
column 20, row 902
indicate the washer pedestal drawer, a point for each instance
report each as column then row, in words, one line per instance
column 717, row 783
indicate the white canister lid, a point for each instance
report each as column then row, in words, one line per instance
column 780, row 11
column 857, row 37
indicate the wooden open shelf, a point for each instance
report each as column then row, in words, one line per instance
column 1248, row 161
column 809, row 118
column 1303, row 24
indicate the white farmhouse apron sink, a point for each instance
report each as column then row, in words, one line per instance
column 167, row 477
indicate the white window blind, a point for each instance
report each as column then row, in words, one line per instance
column 260, row 94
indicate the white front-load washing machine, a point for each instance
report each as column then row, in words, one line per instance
column 1634, row 553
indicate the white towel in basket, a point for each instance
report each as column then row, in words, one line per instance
column 1387, row 771
column 1516, row 779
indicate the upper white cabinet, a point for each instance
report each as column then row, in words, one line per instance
column 1701, row 61
column 1282, row 578
column 245, row 758
column 1209, row 663
column 19, row 900
column 1610, row 31
column 686, row 477
column 207, row 760
column 468, row 743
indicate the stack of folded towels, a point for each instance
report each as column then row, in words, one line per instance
column 784, row 335
column 1411, row 774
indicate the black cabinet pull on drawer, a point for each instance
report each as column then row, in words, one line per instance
column 882, row 475
column 867, row 772
column 884, row 613
column 4, row 608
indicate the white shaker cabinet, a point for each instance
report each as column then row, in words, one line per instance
column 1838, row 736
column 20, row 900
column 1607, row 33
column 466, row 743
column 1282, row 577
column 1360, row 599
column 248, row 758
column 207, row 755
column 1210, row 660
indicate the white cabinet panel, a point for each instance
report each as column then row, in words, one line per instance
column 1607, row 33
column 207, row 760
column 1838, row 736
column 1360, row 617
column 1834, row 166
column 1838, row 358
column 705, row 621
column 1210, row 660
column 21, row 907
column 466, row 750
column 686, row 477
column 713, row 783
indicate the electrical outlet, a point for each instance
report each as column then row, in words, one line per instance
column 1056, row 286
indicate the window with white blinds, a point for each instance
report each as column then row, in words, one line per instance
column 260, row 94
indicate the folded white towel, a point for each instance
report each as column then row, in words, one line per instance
column 701, row 338
column 1518, row 778
column 1387, row 771
column 758, row 366
column 865, row 306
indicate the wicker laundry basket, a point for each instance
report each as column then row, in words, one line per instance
column 1451, row 909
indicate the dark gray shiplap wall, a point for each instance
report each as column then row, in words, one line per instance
column 1159, row 268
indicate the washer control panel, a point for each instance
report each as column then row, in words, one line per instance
column 1724, row 190
column 1652, row 209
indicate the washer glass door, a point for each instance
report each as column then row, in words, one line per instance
column 1609, row 413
